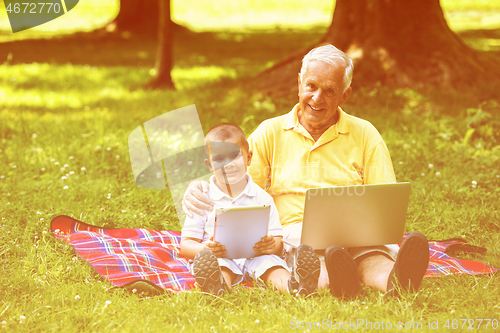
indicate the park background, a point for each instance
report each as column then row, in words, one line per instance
column 70, row 95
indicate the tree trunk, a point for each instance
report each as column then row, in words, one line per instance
column 140, row 17
column 397, row 42
column 163, row 66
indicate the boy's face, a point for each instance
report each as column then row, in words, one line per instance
column 229, row 161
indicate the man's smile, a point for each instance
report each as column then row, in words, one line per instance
column 315, row 109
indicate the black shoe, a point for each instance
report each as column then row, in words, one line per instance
column 342, row 272
column 306, row 272
column 207, row 272
column 410, row 266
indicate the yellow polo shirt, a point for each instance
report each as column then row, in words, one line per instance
column 287, row 161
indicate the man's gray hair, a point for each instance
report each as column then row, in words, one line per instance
column 329, row 54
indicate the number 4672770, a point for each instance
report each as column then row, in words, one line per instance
column 33, row 8
column 470, row 323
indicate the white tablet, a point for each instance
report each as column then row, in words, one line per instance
column 240, row 228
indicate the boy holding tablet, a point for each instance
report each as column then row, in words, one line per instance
column 228, row 157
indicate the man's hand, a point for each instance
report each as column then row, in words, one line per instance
column 217, row 249
column 194, row 201
column 268, row 245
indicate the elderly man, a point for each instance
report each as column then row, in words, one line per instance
column 317, row 145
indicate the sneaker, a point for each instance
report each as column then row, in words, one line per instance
column 207, row 272
column 306, row 271
column 342, row 272
column 410, row 266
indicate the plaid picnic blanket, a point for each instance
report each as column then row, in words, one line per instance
column 126, row 255
column 442, row 263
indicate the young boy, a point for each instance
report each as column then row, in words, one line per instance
column 231, row 186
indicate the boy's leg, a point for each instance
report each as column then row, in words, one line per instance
column 229, row 276
column 309, row 272
column 306, row 270
column 270, row 268
column 278, row 278
column 207, row 272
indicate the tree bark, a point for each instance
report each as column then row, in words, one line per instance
column 163, row 67
column 140, row 17
column 399, row 43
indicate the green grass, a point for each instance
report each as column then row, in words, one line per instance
column 75, row 100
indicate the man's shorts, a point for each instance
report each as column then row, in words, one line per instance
column 390, row 250
column 250, row 269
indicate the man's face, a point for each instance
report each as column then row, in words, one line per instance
column 229, row 159
column 321, row 92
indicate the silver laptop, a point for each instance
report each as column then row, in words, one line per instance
column 352, row 216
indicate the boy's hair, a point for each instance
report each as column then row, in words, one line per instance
column 223, row 132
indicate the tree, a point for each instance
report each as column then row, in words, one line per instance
column 151, row 18
column 396, row 42
column 137, row 16
column 164, row 55
column 140, row 17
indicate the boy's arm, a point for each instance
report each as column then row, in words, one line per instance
column 269, row 245
column 191, row 246
column 272, row 243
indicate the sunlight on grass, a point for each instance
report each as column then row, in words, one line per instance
column 188, row 78
column 73, row 86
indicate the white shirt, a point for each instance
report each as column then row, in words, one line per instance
column 201, row 227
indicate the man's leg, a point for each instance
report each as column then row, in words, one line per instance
column 374, row 269
column 323, row 282
column 411, row 264
column 380, row 271
column 342, row 272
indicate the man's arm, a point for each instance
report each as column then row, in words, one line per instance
column 378, row 166
column 260, row 168
column 194, row 200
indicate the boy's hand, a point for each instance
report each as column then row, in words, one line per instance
column 217, row 249
column 267, row 245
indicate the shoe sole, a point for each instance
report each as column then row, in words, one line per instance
column 342, row 273
column 308, row 268
column 207, row 272
column 412, row 262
